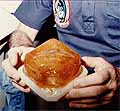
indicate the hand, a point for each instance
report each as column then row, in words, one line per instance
column 95, row 89
column 13, row 62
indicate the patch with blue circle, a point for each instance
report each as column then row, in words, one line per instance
column 61, row 12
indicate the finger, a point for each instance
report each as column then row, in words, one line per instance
column 92, row 91
column 20, row 82
column 99, row 64
column 90, row 61
column 108, row 96
column 91, row 100
column 25, row 51
column 10, row 70
column 95, row 62
column 77, row 105
column 85, row 101
column 13, row 55
column 27, row 90
column 101, row 77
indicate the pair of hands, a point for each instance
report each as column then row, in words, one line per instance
column 91, row 91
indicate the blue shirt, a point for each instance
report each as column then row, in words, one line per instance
column 15, row 100
column 90, row 27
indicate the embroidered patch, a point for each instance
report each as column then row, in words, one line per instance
column 61, row 10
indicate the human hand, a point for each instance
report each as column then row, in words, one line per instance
column 13, row 62
column 95, row 89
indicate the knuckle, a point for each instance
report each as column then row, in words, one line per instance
column 112, row 85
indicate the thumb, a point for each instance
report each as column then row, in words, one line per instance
column 13, row 55
column 93, row 62
column 25, row 51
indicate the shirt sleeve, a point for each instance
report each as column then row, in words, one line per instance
column 34, row 13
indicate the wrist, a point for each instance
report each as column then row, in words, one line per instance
column 20, row 38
